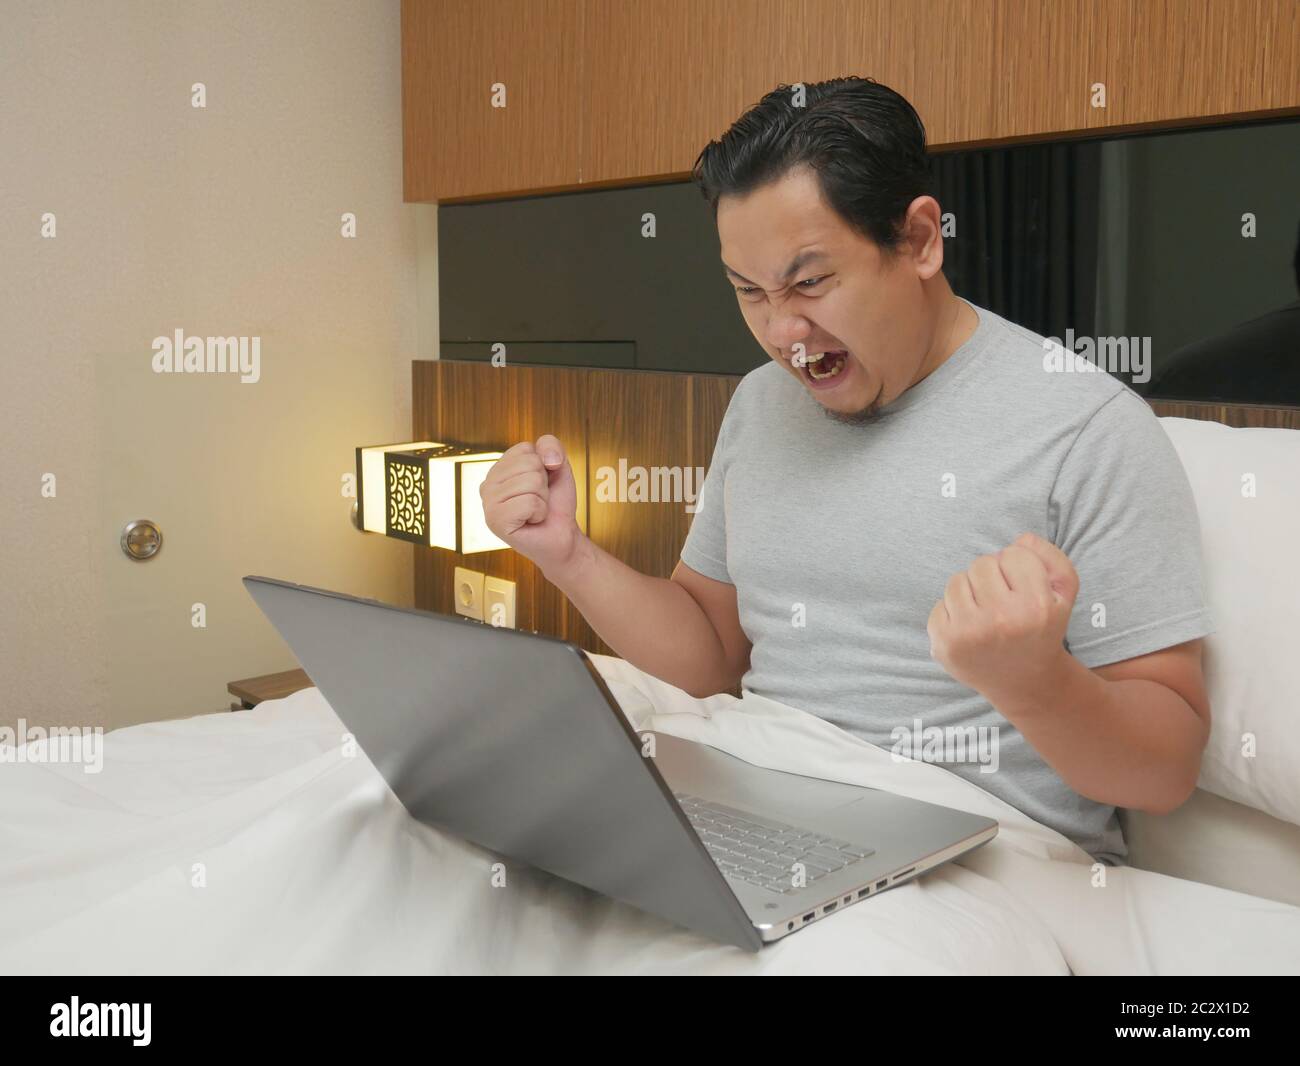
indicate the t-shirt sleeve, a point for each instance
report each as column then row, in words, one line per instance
column 705, row 549
column 1125, row 515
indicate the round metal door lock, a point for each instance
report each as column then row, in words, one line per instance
column 141, row 539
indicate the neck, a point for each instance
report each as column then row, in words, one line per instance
column 953, row 322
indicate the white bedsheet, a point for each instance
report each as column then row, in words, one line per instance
column 312, row 865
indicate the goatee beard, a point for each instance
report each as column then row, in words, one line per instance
column 871, row 413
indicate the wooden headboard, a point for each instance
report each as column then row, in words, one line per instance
column 647, row 419
column 1239, row 415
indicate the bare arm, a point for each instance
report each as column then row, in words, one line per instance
column 1131, row 733
column 684, row 629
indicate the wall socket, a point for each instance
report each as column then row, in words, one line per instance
column 467, row 591
column 487, row 599
column 499, row 602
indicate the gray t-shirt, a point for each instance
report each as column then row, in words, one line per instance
column 840, row 539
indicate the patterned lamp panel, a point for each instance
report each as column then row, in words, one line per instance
column 423, row 493
column 407, row 491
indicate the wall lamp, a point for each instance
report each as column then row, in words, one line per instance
column 426, row 493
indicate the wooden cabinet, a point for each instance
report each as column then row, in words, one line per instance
column 606, row 92
column 455, row 142
column 1177, row 60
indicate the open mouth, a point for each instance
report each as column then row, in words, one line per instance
column 822, row 366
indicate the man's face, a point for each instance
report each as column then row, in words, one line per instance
column 843, row 296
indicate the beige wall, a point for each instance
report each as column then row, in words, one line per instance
column 222, row 221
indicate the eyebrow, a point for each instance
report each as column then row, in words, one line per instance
column 800, row 260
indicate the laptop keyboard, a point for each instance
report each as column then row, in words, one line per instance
column 762, row 852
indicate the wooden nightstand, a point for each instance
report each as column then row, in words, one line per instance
column 253, row 690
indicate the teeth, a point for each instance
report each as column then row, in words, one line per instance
column 829, row 374
column 812, row 370
column 813, row 358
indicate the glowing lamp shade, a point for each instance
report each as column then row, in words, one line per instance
column 427, row 493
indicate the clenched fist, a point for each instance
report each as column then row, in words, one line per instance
column 1001, row 624
column 530, row 501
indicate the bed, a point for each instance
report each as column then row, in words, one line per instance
column 247, row 843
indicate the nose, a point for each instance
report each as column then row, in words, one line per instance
column 784, row 330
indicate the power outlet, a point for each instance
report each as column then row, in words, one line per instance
column 499, row 602
column 467, row 590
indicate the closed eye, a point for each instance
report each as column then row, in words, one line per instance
column 807, row 284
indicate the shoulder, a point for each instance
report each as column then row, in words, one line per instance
column 1064, row 378
column 759, row 390
column 760, row 382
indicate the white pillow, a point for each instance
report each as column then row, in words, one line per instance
column 1251, row 562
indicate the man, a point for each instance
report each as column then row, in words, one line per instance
column 908, row 516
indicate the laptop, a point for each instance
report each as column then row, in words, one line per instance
column 512, row 740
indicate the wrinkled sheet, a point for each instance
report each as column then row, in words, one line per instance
column 309, row 864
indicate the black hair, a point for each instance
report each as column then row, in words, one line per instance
column 864, row 141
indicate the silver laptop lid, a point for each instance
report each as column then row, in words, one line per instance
column 510, row 740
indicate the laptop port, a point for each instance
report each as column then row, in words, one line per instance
column 882, row 884
column 905, row 873
column 863, row 891
column 809, row 917
column 830, row 907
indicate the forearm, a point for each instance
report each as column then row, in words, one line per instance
column 1133, row 743
column 652, row 622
